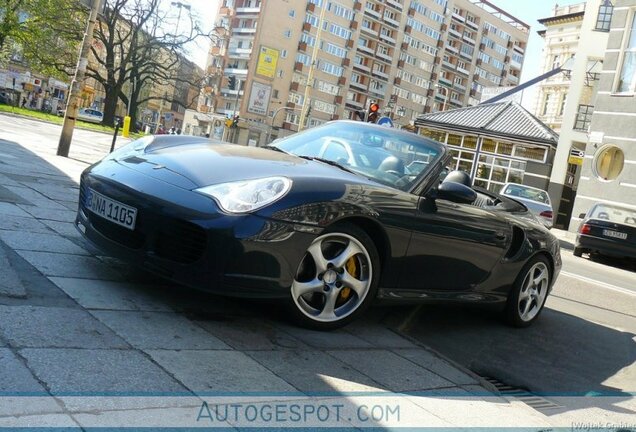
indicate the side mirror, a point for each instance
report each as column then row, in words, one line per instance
column 456, row 192
column 582, row 216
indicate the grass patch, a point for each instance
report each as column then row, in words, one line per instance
column 51, row 118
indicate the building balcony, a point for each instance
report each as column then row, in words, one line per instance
column 378, row 92
column 362, row 67
column 391, row 21
column 354, row 104
column 519, row 49
column 248, row 10
column 472, row 25
column 513, row 79
column 388, row 39
column 359, row 86
column 469, row 40
column 373, row 13
column 466, row 55
column 452, row 49
column 514, row 64
column 455, row 33
column 225, row 11
column 244, row 30
column 395, row 4
column 458, row 17
column 365, row 49
column 214, row 70
column 240, row 54
column 381, row 75
column 448, row 65
column 215, row 51
column 227, row 92
column 445, row 82
column 459, row 87
column 369, row 31
column 235, row 71
column 464, row 71
column 385, row 57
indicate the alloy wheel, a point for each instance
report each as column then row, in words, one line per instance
column 333, row 279
column 533, row 291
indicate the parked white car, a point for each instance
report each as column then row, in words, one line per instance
column 537, row 200
column 90, row 115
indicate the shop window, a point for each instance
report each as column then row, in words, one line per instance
column 608, row 162
column 455, row 140
column 532, row 153
column 470, row 142
column 489, row 145
column 434, row 135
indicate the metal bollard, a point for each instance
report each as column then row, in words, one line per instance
column 112, row 146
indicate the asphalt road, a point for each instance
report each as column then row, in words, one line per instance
column 584, row 341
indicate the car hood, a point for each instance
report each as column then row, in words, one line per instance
column 196, row 165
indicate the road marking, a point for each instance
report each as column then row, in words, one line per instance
column 599, row 283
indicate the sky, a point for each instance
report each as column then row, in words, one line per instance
column 528, row 11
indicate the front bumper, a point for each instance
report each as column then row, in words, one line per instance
column 182, row 236
column 605, row 246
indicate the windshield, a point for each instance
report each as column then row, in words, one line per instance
column 613, row 214
column 389, row 157
column 531, row 194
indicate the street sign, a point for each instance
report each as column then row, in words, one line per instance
column 385, row 121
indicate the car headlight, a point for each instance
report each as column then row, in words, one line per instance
column 247, row 195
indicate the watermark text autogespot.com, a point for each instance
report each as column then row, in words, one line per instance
column 601, row 426
column 305, row 413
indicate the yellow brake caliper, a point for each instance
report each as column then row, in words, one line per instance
column 352, row 269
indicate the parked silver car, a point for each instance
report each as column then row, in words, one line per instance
column 537, row 200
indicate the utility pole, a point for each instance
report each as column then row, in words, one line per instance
column 236, row 102
column 72, row 107
column 310, row 75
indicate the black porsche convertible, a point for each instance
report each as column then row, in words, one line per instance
column 326, row 220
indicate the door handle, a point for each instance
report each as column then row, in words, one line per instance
column 500, row 236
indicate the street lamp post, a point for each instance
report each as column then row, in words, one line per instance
column 271, row 127
column 445, row 95
column 180, row 6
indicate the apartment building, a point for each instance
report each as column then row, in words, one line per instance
column 575, row 39
column 609, row 173
column 302, row 63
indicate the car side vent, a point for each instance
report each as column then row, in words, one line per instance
column 518, row 237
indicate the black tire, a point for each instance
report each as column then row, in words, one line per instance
column 302, row 319
column 512, row 314
column 578, row 252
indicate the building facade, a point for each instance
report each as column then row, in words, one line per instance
column 495, row 143
column 308, row 62
column 575, row 39
column 609, row 165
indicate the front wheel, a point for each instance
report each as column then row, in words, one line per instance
column 529, row 292
column 336, row 279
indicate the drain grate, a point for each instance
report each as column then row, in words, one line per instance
column 536, row 402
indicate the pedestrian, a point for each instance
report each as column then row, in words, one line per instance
column 161, row 130
column 179, row 131
column 171, row 131
column 24, row 102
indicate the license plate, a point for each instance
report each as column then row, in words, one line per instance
column 614, row 234
column 112, row 210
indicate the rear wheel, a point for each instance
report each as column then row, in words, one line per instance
column 336, row 279
column 529, row 293
column 578, row 252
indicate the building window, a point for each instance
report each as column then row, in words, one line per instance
column 627, row 76
column 564, row 99
column 283, row 53
column 608, row 162
column 287, row 34
column 604, row 18
column 292, row 13
column 583, row 117
column 546, row 105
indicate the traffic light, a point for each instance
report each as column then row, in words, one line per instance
column 231, row 82
column 374, row 112
column 235, row 121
